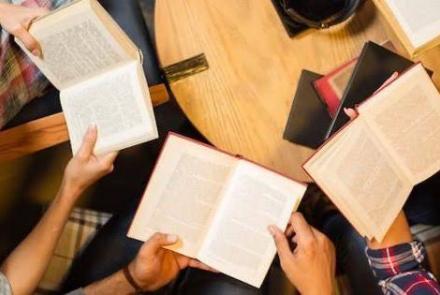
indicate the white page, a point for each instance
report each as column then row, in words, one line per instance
column 419, row 19
column 117, row 103
column 183, row 193
column 321, row 165
column 405, row 116
column 76, row 45
column 365, row 179
column 238, row 242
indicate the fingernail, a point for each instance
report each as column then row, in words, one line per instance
column 271, row 229
column 92, row 126
column 172, row 238
column 36, row 52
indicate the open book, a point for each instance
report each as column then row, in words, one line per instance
column 369, row 168
column 219, row 205
column 416, row 23
column 98, row 71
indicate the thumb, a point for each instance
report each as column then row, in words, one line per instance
column 159, row 240
column 109, row 158
column 89, row 141
column 28, row 41
column 281, row 243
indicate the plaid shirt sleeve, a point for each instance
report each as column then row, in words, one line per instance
column 20, row 79
column 399, row 270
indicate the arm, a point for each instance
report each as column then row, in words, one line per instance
column 396, row 262
column 153, row 268
column 26, row 265
column 17, row 19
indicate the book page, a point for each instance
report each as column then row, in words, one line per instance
column 117, row 103
column 360, row 175
column 418, row 19
column 183, row 193
column 238, row 242
column 76, row 45
column 406, row 118
column 332, row 150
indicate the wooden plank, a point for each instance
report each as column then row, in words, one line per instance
column 49, row 131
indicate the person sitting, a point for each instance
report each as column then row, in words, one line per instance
column 20, row 79
column 309, row 264
column 396, row 261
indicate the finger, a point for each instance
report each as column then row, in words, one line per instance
column 289, row 231
column 350, row 113
column 319, row 235
column 89, row 141
column 159, row 240
column 108, row 159
column 281, row 243
column 197, row 264
column 32, row 14
column 28, row 41
column 302, row 230
column 393, row 77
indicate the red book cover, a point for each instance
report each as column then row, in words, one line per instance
column 331, row 87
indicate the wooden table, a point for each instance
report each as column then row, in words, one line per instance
column 242, row 102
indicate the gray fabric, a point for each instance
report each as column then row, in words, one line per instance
column 75, row 292
column 5, row 287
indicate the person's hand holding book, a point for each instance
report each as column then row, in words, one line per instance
column 311, row 265
column 17, row 19
column 155, row 266
column 85, row 168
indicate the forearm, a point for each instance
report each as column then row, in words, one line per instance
column 117, row 283
column 26, row 265
column 399, row 233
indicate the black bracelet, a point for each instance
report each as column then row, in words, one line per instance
column 131, row 281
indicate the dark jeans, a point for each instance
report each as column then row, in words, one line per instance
column 422, row 207
column 111, row 250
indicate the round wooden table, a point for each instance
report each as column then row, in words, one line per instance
column 242, row 102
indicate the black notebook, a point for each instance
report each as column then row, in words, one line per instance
column 308, row 120
column 376, row 64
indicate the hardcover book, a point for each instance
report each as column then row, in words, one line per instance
column 98, row 71
column 219, row 205
column 375, row 65
column 370, row 166
column 416, row 23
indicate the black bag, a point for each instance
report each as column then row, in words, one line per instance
column 298, row 15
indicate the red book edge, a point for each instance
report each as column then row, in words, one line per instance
column 325, row 91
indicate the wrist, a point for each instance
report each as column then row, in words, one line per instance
column 129, row 276
column 69, row 192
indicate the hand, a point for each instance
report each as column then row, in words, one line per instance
column 351, row 113
column 154, row 266
column 17, row 19
column 311, row 265
column 85, row 168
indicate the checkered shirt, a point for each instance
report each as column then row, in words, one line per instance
column 399, row 270
column 20, row 79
